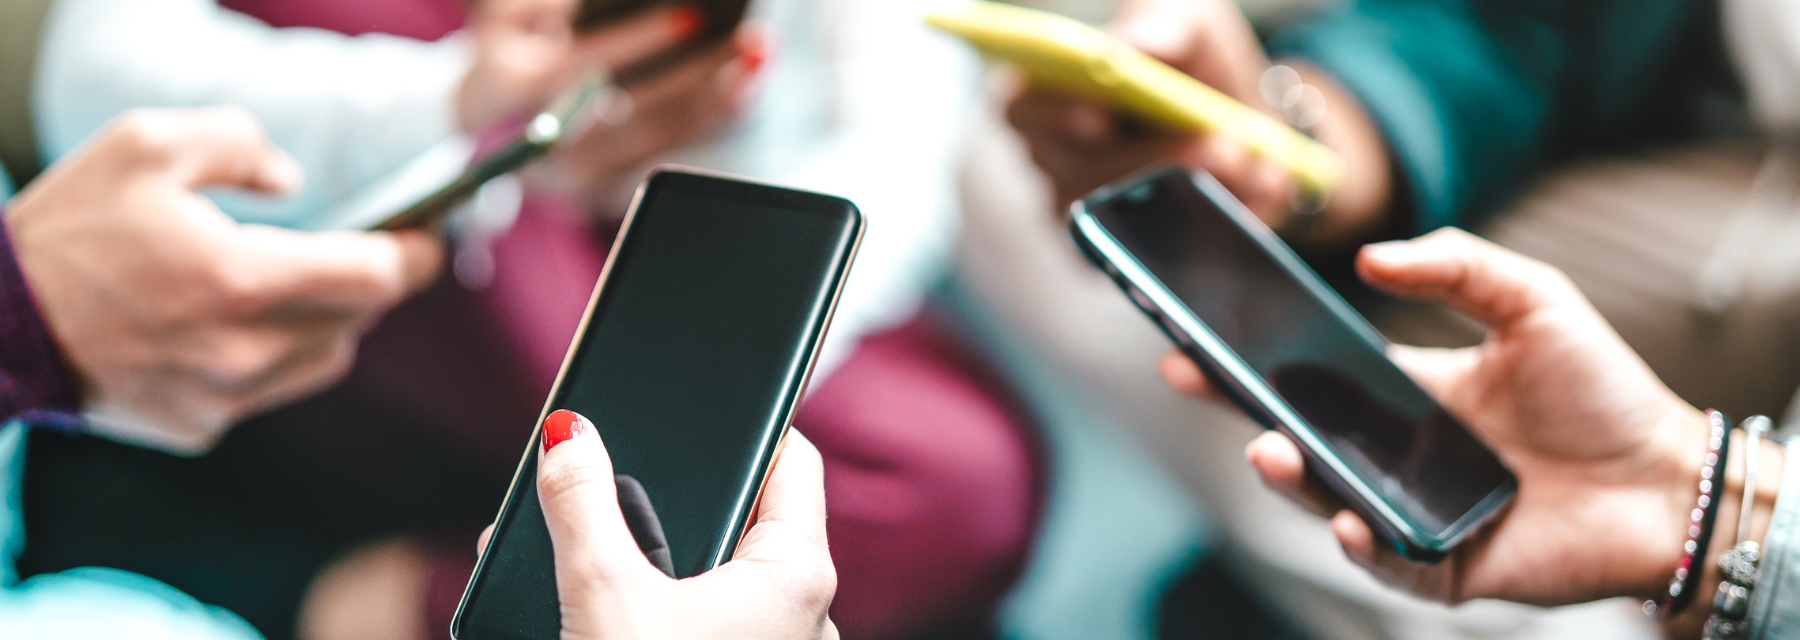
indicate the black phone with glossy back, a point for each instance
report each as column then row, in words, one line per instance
column 1295, row 356
column 696, row 346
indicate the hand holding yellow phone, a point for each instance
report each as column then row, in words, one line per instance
column 1063, row 53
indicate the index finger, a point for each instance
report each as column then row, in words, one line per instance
column 623, row 43
column 278, row 269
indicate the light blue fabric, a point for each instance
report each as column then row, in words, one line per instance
column 1775, row 605
column 90, row 603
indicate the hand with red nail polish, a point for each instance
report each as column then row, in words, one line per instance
column 778, row 586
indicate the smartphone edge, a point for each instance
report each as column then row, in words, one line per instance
column 612, row 255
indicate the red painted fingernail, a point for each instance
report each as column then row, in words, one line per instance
column 688, row 20
column 562, row 426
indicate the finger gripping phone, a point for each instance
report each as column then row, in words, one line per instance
column 1063, row 53
column 1293, row 355
column 695, row 348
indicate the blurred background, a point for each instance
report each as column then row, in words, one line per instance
column 1002, row 458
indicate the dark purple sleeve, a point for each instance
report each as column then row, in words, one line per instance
column 35, row 385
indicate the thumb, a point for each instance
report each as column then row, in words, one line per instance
column 1491, row 284
column 592, row 544
column 211, row 147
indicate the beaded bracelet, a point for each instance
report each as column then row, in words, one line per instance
column 1700, row 523
column 1738, row 566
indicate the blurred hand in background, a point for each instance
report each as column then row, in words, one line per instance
column 177, row 320
column 528, row 51
column 1082, row 144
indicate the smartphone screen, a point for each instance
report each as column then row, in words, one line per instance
column 695, row 349
column 1306, row 345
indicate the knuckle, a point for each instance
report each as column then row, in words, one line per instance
column 235, row 291
column 142, row 134
column 239, row 362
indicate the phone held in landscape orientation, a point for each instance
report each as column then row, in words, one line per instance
column 696, row 346
column 1295, row 356
column 415, row 196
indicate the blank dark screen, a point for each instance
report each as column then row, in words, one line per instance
column 1401, row 442
column 688, row 368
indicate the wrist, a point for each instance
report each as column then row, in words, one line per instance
column 1771, row 459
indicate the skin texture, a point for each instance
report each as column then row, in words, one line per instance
column 1082, row 144
column 1606, row 456
column 527, row 52
column 779, row 585
column 169, row 311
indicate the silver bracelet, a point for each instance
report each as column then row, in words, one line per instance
column 1739, row 565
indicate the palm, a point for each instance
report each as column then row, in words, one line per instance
column 1592, row 435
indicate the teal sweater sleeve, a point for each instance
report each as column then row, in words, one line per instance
column 1473, row 96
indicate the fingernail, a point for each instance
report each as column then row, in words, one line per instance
column 562, row 426
column 688, row 21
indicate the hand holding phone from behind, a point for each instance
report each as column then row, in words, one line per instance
column 529, row 51
column 778, row 585
column 1082, row 144
column 1606, row 456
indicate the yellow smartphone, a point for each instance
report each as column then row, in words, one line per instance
column 1066, row 54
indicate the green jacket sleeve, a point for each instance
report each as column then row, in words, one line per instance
column 1474, row 96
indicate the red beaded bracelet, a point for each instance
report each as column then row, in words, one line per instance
column 1700, row 523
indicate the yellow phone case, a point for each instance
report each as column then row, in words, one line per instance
column 1064, row 53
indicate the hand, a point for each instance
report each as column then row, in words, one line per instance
column 1082, row 144
column 177, row 320
column 602, row 167
column 779, row 585
column 527, row 50
column 1606, row 456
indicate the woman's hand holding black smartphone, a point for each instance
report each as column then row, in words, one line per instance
column 1606, row 455
column 779, row 585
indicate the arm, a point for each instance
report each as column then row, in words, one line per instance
column 1471, row 97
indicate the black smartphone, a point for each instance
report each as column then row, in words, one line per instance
column 1293, row 355
column 696, row 346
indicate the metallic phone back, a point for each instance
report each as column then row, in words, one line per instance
column 696, row 346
